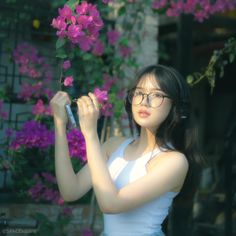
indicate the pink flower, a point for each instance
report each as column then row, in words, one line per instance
column 84, row 20
column 68, row 81
column 81, row 27
column 59, row 23
column 74, row 31
column 113, row 36
column 101, row 95
column 66, row 65
column 98, row 48
column 85, row 43
column 125, row 51
column 106, row 109
column 82, row 8
column 38, row 108
column 65, row 12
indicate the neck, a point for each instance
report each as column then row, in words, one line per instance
column 147, row 139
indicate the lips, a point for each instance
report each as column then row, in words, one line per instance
column 144, row 113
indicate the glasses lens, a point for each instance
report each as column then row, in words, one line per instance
column 136, row 97
column 155, row 99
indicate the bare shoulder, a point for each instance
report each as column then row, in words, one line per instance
column 175, row 162
column 111, row 144
column 174, row 159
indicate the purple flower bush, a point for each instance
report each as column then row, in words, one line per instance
column 32, row 152
column 201, row 10
column 33, row 135
column 88, row 50
column 34, row 67
column 76, row 144
column 43, row 189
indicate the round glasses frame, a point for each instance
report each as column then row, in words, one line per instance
column 130, row 95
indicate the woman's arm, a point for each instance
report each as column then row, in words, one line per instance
column 74, row 186
column 71, row 186
column 161, row 179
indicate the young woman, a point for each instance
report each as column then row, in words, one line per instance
column 134, row 179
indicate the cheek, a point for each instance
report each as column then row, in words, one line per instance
column 157, row 117
column 164, row 111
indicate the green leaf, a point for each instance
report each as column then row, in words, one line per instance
column 87, row 56
column 124, row 41
column 60, row 53
column 190, row 79
column 60, row 42
column 122, row 11
column 71, row 3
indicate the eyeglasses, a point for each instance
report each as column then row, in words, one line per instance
column 154, row 99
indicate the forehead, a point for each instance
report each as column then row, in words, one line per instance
column 148, row 82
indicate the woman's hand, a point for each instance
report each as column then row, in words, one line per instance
column 88, row 113
column 57, row 104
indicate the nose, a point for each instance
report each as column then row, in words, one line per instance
column 145, row 100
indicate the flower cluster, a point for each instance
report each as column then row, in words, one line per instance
column 41, row 108
column 200, row 9
column 35, row 68
column 36, row 90
column 76, row 142
column 33, row 135
column 43, row 189
column 102, row 97
column 80, row 26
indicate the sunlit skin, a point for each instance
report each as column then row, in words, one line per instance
column 151, row 123
column 95, row 173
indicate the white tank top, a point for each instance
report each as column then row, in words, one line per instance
column 145, row 220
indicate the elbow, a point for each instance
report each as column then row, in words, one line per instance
column 110, row 208
column 69, row 198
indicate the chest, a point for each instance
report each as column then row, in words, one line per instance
column 124, row 172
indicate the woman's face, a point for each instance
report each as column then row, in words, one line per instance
column 154, row 108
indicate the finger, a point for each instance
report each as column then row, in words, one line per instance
column 80, row 110
column 94, row 99
column 64, row 98
column 88, row 102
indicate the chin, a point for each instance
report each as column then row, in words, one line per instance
column 146, row 124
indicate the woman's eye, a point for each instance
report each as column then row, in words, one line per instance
column 137, row 93
column 157, row 95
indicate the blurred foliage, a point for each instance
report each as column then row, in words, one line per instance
column 216, row 65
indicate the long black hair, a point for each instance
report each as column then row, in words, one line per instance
column 177, row 132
